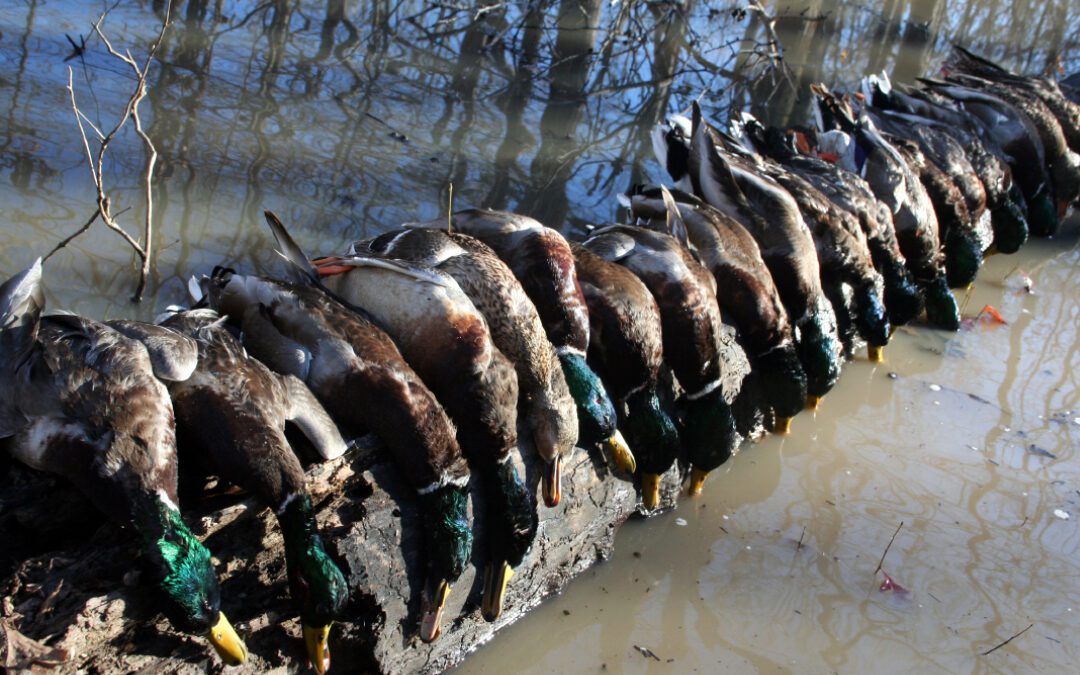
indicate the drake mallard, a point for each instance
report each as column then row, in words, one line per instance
column 232, row 411
column 1004, row 200
column 692, row 335
column 858, row 147
column 626, row 349
column 80, row 399
column 1014, row 133
column 516, row 330
column 772, row 216
column 445, row 342
column 542, row 261
column 1046, row 90
column 749, row 296
column 843, row 255
column 851, row 193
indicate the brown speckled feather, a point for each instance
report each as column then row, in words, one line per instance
column 542, row 261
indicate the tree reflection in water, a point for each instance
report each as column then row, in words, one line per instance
column 351, row 117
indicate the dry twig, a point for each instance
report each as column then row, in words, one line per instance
column 144, row 249
column 1002, row 644
column 887, row 547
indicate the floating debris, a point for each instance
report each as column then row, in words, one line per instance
column 1040, row 452
column 1064, row 515
column 935, row 387
column 647, row 653
column 681, row 522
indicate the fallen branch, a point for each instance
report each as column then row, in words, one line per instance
column 1000, row 645
column 887, row 547
column 144, row 249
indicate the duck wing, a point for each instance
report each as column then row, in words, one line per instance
column 173, row 355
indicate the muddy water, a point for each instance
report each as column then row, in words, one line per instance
column 773, row 567
column 349, row 118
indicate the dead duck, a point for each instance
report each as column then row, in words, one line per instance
column 851, row 193
column 1046, row 90
column 692, row 332
column 542, row 261
column 1004, row 200
column 626, row 349
column 1014, row 133
column 843, row 255
column 232, row 411
column 857, row 146
column 772, row 216
column 446, row 357
column 80, row 399
column 749, row 296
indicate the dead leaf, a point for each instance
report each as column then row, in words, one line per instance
column 890, row 585
column 22, row 654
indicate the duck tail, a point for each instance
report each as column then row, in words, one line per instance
column 22, row 300
column 299, row 266
column 676, row 226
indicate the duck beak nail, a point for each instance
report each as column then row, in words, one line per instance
column 876, row 353
column 697, row 481
column 813, row 402
column 650, row 490
column 431, row 621
column 782, row 426
column 496, row 577
column 552, row 482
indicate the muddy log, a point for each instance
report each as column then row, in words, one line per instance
column 71, row 596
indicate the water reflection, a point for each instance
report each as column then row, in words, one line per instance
column 353, row 117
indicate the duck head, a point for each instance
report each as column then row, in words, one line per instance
column 963, row 258
column 872, row 321
column 1009, row 222
column 185, row 574
column 819, row 351
column 708, row 435
column 596, row 413
column 941, row 308
column 448, row 544
column 316, row 583
column 784, row 384
column 653, row 432
column 512, row 516
column 902, row 299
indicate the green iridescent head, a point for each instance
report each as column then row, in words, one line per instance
column 596, row 414
column 1042, row 216
column 941, row 308
column 709, row 432
column 783, row 380
column 511, row 515
column 447, row 534
column 1009, row 223
column 650, row 431
column 316, row 583
column 819, row 351
column 963, row 258
column 870, row 316
column 902, row 298
column 182, row 567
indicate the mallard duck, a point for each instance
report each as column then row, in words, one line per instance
column 1046, row 90
column 692, row 335
column 772, row 216
column 1018, row 138
column 749, row 296
column 853, row 194
column 964, row 234
column 517, row 332
column 541, row 260
column 843, row 254
column 1062, row 163
column 857, row 146
column 232, row 411
column 626, row 348
column 445, row 341
column 81, row 400
column 1006, row 204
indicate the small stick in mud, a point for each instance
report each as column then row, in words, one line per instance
column 798, row 546
column 887, row 547
column 1002, row 644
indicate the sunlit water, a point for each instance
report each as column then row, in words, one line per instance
column 349, row 118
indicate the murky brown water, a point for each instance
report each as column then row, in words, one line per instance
column 348, row 118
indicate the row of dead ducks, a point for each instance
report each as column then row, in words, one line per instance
column 807, row 240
